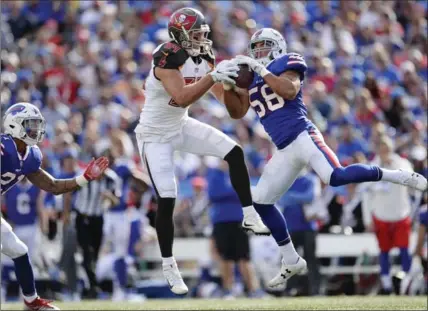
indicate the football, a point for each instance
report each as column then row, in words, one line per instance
column 245, row 77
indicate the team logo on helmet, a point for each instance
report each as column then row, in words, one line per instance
column 16, row 109
column 184, row 20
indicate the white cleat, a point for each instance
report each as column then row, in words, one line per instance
column 412, row 180
column 174, row 279
column 253, row 223
column 287, row 271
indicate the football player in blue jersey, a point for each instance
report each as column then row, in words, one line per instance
column 276, row 96
column 114, row 229
column 24, row 127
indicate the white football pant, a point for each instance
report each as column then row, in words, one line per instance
column 285, row 165
column 196, row 137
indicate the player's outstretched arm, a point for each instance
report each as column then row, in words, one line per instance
column 47, row 182
column 287, row 85
column 184, row 95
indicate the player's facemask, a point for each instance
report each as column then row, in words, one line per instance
column 35, row 129
column 263, row 50
column 197, row 42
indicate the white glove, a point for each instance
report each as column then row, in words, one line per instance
column 252, row 63
column 224, row 72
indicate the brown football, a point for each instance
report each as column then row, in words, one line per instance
column 245, row 77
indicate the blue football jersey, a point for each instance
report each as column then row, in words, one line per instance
column 123, row 168
column 282, row 119
column 21, row 204
column 14, row 166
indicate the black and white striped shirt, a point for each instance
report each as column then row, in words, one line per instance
column 89, row 200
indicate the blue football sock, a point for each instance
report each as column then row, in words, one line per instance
column 275, row 221
column 24, row 275
column 120, row 271
column 355, row 173
column 405, row 259
column 384, row 263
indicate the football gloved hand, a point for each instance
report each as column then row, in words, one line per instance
column 224, row 72
column 93, row 171
column 252, row 63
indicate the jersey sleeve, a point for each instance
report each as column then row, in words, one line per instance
column 295, row 62
column 36, row 160
column 169, row 56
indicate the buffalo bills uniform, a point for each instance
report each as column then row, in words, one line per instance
column 14, row 167
column 298, row 140
column 165, row 127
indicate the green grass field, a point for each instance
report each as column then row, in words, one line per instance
column 304, row 303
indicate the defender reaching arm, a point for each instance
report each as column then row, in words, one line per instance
column 47, row 182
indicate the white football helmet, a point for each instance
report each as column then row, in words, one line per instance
column 267, row 44
column 25, row 122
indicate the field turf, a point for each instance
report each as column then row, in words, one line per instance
column 304, row 303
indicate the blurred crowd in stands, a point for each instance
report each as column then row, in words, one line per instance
column 83, row 63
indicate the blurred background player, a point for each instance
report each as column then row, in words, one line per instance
column 276, row 95
column 230, row 240
column 390, row 208
column 183, row 71
column 116, row 215
column 24, row 127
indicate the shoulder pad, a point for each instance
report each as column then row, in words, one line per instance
column 296, row 62
column 37, row 158
column 170, row 56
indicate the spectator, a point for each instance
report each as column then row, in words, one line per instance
column 230, row 240
column 389, row 207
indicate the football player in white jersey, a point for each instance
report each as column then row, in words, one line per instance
column 182, row 72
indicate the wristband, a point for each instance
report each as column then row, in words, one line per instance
column 81, row 181
column 264, row 72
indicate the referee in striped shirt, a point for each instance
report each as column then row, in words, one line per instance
column 91, row 203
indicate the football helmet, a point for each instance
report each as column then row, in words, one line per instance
column 266, row 44
column 189, row 29
column 25, row 122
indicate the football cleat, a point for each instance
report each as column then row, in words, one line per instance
column 412, row 180
column 253, row 223
column 40, row 304
column 174, row 279
column 287, row 271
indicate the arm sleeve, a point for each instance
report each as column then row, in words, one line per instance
column 169, row 56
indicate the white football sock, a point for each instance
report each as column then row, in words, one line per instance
column 168, row 261
column 248, row 210
column 289, row 254
column 390, row 175
column 31, row 298
column 386, row 281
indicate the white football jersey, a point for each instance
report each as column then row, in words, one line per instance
column 161, row 118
